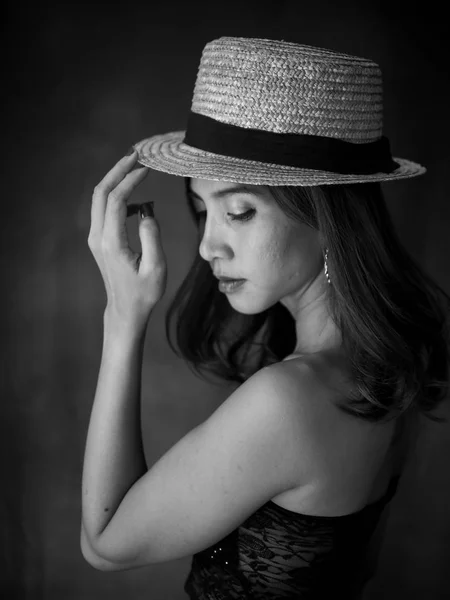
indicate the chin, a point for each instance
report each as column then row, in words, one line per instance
column 248, row 306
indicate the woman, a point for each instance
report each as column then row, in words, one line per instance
column 337, row 338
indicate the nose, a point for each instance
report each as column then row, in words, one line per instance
column 213, row 245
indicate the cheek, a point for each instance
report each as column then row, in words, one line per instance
column 273, row 249
column 284, row 256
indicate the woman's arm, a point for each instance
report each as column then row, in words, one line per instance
column 114, row 457
column 134, row 282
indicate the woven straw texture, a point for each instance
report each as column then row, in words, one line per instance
column 278, row 87
column 288, row 88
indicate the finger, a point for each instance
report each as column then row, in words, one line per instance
column 114, row 230
column 101, row 191
column 150, row 238
column 118, row 172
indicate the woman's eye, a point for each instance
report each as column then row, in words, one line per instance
column 248, row 214
column 245, row 216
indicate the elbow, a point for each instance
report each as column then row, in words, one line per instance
column 92, row 558
column 96, row 561
column 99, row 563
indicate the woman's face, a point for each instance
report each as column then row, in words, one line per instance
column 277, row 257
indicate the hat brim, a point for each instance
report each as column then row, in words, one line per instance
column 169, row 154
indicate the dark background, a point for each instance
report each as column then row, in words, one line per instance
column 81, row 83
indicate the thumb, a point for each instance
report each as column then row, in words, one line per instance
column 149, row 234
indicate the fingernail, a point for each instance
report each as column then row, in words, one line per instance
column 132, row 209
column 146, row 210
column 130, row 151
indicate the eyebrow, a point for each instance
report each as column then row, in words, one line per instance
column 239, row 189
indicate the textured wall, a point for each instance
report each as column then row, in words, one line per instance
column 83, row 83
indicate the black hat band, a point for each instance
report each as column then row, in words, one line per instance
column 289, row 149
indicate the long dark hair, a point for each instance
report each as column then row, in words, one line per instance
column 391, row 314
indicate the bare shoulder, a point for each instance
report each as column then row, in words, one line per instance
column 308, row 386
column 287, row 389
column 294, row 385
column 311, row 387
column 350, row 461
column 304, row 393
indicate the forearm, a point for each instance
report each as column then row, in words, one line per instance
column 114, row 456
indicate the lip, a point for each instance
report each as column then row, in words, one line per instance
column 224, row 278
column 229, row 286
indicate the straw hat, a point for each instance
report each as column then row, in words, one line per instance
column 271, row 112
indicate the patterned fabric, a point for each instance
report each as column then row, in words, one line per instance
column 277, row 553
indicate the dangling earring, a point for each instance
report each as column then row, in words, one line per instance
column 326, row 267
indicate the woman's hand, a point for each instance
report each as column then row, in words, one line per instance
column 134, row 282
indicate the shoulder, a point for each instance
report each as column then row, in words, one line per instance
column 299, row 385
column 277, row 415
column 282, row 385
column 334, row 447
column 282, row 410
column 273, row 397
column 307, row 390
column 316, row 432
column 292, row 397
